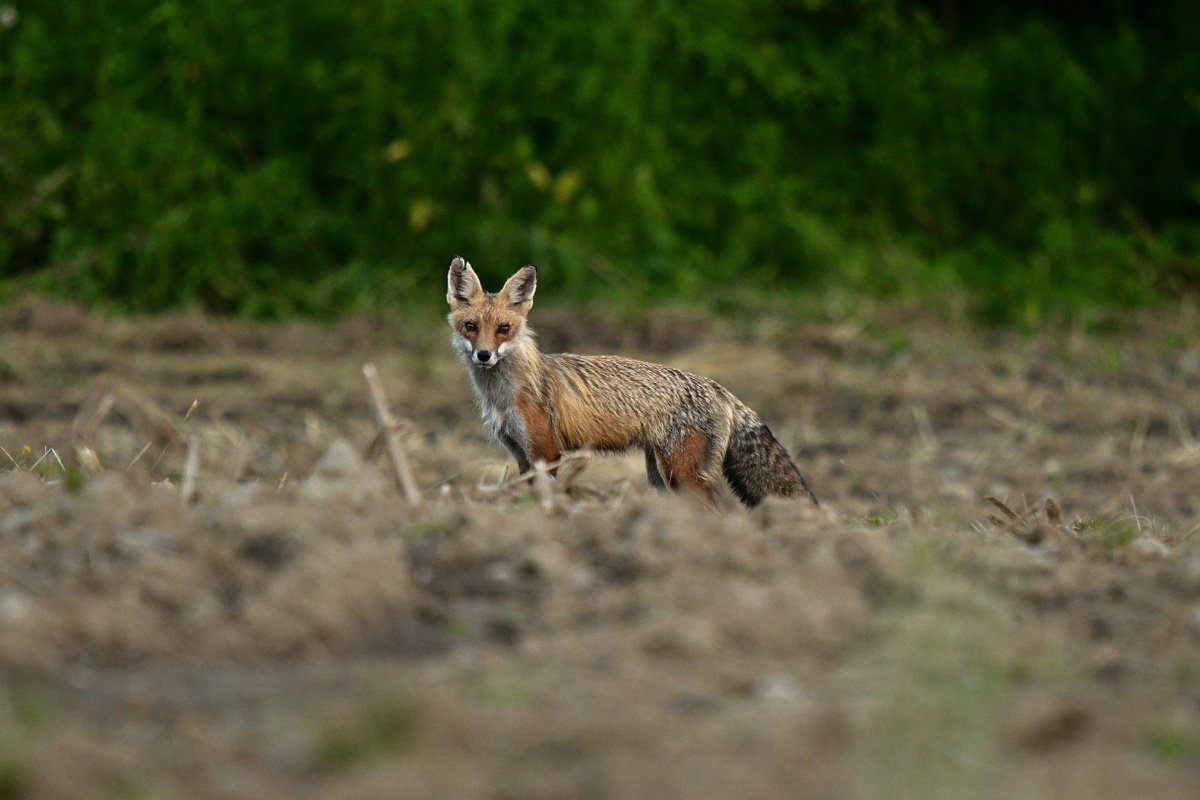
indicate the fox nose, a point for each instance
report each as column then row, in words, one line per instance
column 483, row 356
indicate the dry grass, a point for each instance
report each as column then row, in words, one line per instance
column 206, row 590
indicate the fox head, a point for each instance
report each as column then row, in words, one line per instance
column 487, row 327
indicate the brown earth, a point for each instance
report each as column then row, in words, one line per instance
column 296, row 630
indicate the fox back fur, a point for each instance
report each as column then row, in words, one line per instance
column 539, row 405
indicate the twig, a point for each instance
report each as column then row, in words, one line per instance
column 1184, row 430
column 155, row 416
column 399, row 427
column 928, row 439
column 404, row 478
column 88, row 417
column 582, row 456
column 138, row 457
column 148, row 417
column 543, row 485
column 1053, row 512
column 50, row 451
column 87, row 458
column 86, row 426
column 15, row 463
column 572, row 467
column 1008, row 512
column 191, row 464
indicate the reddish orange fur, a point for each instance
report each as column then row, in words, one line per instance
column 542, row 443
column 683, row 465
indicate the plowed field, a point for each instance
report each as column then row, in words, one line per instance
column 274, row 620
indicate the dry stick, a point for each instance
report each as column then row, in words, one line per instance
column 145, row 404
column 96, row 406
column 191, row 465
column 580, row 457
column 100, row 389
column 84, row 431
column 15, row 463
column 542, row 485
column 49, row 451
column 400, row 427
column 138, row 457
column 1008, row 512
column 404, row 478
column 1053, row 512
column 87, row 458
column 572, row 467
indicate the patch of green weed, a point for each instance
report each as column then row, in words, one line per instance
column 426, row 529
column 73, row 478
column 386, row 725
column 1172, row 742
column 1107, row 535
column 881, row 519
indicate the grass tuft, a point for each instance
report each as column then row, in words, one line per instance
column 1107, row 535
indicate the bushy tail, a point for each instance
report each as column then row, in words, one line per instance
column 757, row 465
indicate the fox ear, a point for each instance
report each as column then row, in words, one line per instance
column 519, row 289
column 463, row 287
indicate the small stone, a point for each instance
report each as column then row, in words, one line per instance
column 20, row 489
column 1147, row 548
column 14, row 607
column 777, row 688
column 340, row 474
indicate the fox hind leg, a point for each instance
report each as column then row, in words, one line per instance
column 690, row 462
column 652, row 474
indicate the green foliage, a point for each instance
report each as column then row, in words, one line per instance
column 269, row 159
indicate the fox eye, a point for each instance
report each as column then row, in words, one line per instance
column 505, row 328
column 471, row 327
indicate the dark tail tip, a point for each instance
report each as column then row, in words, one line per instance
column 756, row 465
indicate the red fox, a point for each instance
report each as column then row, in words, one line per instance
column 691, row 429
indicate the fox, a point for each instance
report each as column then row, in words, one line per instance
column 539, row 405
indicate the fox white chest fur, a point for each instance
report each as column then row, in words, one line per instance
column 495, row 391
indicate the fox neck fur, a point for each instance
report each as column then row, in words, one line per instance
column 497, row 389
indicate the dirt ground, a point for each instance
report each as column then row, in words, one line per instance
column 275, row 621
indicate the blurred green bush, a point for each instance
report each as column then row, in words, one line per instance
column 303, row 157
